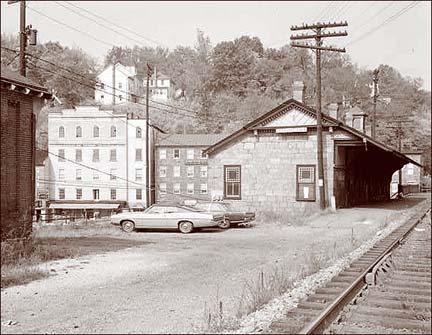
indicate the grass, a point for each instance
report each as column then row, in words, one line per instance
column 20, row 261
column 273, row 283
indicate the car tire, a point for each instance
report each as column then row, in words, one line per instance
column 225, row 224
column 185, row 227
column 128, row 226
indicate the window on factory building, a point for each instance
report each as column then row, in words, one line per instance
column 78, row 155
column 138, row 155
column 78, row 131
column 95, row 131
column 176, row 153
column 162, row 153
column 113, row 155
column 61, row 131
column 113, row 131
column 162, row 171
column 61, row 192
column 95, row 194
column 138, row 194
column 61, row 155
column 95, row 155
column 162, row 188
column 190, row 171
column 79, row 193
column 113, row 194
column 176, row 188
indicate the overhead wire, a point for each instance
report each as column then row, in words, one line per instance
column 116, row 24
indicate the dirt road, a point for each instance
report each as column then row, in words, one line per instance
column 163, row 286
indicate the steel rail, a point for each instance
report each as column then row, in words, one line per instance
column 330, row 312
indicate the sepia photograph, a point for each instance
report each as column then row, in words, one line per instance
column 215, row 167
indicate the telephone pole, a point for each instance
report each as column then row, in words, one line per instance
column 399, row 133
column 375, row 96
column 23, row 38
column 318, row 36
column 148, row 183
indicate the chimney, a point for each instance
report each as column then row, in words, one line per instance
column 299, row 91
column 335, row 110
column 355, row 118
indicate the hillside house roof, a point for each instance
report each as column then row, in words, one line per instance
column 13, row 80
column 187, row 140
column 327, row 121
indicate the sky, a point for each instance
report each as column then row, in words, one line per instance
column 397, row 33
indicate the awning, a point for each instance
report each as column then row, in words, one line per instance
column 84, row 206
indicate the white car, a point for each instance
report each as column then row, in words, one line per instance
column 179, row 217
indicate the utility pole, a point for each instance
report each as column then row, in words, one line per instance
column 113, row 80
column 23, row 38
column 318, row 35
column 375, row 96
column 399, row 133
column 148, row 192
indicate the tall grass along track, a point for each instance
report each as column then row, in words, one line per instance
column 401, row 262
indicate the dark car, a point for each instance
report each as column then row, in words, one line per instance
column 231, row 216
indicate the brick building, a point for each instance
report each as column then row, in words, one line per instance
column 21, row 101
column 181, row 168
column 270, row 164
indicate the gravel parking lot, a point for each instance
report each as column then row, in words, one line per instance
column 164, row 286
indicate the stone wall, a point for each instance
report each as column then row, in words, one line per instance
column 268, row 169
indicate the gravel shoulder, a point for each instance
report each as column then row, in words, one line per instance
column 163, row 286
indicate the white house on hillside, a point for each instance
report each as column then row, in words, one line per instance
column 128, row 86
column 160, row 86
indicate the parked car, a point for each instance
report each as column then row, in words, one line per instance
column 231, row 217
column 179, row 217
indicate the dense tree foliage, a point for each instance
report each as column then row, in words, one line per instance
column 233, row 82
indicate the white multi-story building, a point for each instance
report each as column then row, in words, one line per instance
column 97, row 160
column 128, row 85
column 159, row 86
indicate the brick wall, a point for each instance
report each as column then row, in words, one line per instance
column 183, row 180
column 17, row 187
column 268, row 169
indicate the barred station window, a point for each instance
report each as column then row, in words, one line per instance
column 306, row 183
column 95, row 131
column 113, row 194
column 232, row 181
column 79, row 193
column 61, row 131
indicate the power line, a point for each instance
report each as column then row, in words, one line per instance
column 356, row 27
column 116, row 25
column 390, row 19
column 324, row 11
column 106, row 173
column 70, row 27
column 109, row 86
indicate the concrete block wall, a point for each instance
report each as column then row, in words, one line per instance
column 268, row 169
column 17, row 187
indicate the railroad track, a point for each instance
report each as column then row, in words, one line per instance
column 387, row 290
